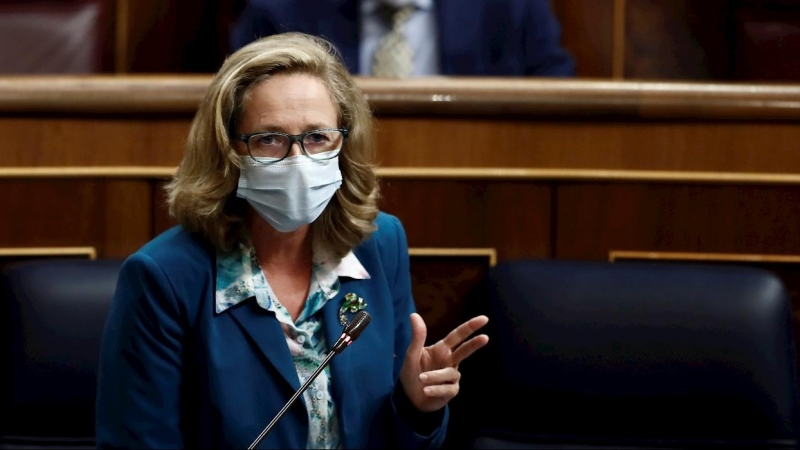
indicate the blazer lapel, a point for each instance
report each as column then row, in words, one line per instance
column 266, row 334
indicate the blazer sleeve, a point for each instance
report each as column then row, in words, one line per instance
column 408, row 436
column 139, row 377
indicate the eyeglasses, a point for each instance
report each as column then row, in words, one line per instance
column 316, row 144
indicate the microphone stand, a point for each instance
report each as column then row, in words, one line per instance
column 351, row 332
column 292, row 400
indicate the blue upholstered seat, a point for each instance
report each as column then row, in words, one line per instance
column 54, row 313
column 631, row 355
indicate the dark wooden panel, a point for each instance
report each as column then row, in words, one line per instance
column 512, row 217
column 161, row 218
column 177, row 36
column 594, row 218
column 435, row 142
column 150, row 34
column 114, row 216
column 678, row 39
column 92, row 141
column 587, row 33
column 467, row 142
column 766, row 35
column 442, row 285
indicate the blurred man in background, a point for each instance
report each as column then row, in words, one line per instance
column 402, row 38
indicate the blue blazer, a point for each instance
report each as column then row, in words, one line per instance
column 476, row 37
column 174, row 373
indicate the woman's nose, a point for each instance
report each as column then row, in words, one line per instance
column 295, row 149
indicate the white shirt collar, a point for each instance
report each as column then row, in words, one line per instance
column 236, row 269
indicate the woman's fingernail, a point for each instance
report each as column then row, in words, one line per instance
column 423, row 377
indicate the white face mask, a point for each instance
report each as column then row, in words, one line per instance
column 290, row 193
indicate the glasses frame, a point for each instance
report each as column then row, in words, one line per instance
column 292, row 139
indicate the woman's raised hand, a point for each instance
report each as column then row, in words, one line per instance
column 430, row 374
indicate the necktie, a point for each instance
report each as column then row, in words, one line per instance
column 393, row 56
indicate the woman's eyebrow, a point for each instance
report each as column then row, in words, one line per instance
column 282, row 129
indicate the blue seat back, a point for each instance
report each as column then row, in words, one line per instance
column 638, row 354
column 55, row 311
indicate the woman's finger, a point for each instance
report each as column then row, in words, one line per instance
column 468, row 348
column 448, row 375
column 463, row 331
column 419, row 332
column 441, row 390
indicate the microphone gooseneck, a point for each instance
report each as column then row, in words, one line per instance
column 351, row 332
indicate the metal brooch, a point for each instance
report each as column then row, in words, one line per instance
column 352, row 304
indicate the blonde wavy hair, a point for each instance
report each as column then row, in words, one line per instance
column 202, row 195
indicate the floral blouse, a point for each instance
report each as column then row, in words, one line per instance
column 239, row 277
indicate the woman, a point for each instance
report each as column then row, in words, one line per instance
column 218, row 321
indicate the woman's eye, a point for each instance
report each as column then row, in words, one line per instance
column 266, row 140
column 316, row 138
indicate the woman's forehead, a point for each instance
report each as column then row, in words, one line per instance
column 288, row 100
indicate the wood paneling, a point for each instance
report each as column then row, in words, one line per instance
column 475, row 142
column 765, row 37
column 92, row 141
column 435, row 142
column 442, row 285
column 151, row 42
column 113, row 216
column 511, row 217
column 587, row 33
column 682, row 39
column 678, row 39
column 174, row 36
column 595, row 218
column 161, row 218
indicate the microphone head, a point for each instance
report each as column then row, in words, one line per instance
column 351, row 331
column 356, row 326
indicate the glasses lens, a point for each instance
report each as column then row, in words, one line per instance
column 268, row 145
column 323, row 144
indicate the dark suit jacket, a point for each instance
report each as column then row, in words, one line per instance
column 476, row 37
column 175, row 374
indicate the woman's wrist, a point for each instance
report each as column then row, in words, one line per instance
column 423, row 423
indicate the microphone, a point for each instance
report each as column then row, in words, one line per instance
column 351, row 332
